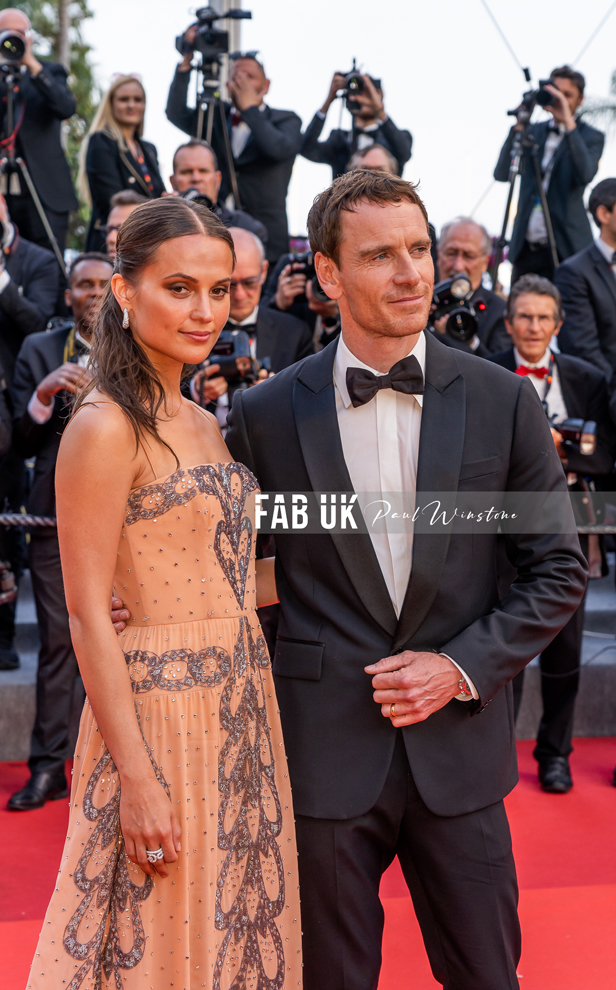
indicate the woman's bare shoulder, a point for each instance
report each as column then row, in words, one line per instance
column 99, row 419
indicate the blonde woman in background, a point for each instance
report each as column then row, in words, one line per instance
column 114, row 155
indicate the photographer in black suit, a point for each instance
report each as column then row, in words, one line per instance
column 264, row 142
column 410, row 755
column 371, row 124
column 587, row 283
column 50, row 367
column 567, row 387
column 569, row 151
column 42, row 101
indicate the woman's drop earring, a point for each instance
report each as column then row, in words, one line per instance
column 126, row 320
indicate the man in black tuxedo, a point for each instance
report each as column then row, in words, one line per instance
column 42, row 101
column 568, row 387
column 264, row 143
column 569, row 151
column 587, row 283
column 412, row 754
column 464, row 246
column 371, row 124
column 49, row 368
column 278, row 336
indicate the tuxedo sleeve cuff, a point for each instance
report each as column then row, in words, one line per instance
column 39, row 412
column 461, row 696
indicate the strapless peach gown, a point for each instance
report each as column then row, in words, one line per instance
column 227, row 917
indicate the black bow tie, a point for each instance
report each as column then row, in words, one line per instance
column 405, row 376
column 250, row 328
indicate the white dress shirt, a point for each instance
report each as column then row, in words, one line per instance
column 551, row 394
column 240, row 134
column 607, row 252
column 37, row 410
column 380, row 443
column 537, row 232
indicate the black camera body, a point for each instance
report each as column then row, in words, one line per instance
column 12, row 46
column 354, row 86
column 534, row 98
column 306, row 261
column 237, row 365
column 211, row 42
column 452, row 298
column 578, row 433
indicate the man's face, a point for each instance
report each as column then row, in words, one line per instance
column 252, row 72
column 607, row 220
column 194, row 169
column 570, row 91
column 114, row 221
column 376, row 158
column 384, row 276
column 88, row 284
column 248, row 278
column 463, row 251
column 533, row 325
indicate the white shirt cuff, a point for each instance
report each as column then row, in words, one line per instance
column 474, row 691
column 474, row 343
column 5, row 278
column 320, row 115
column 38, row 412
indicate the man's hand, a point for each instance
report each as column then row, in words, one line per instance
column 372, row 99
column 440, row 325
column 561, row 111
column 119, row 615
column 30, row 60
column 337, row 84
column 214, row 386
column 68, row 377
column 290, row 285
column 242, row 90
column 557, row 438
column 189, row 36
column 418, row 684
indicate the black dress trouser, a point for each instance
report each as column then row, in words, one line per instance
column 57, row 697
column 460, row 873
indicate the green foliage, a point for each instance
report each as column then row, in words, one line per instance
column 601, row 110
column 43, row 16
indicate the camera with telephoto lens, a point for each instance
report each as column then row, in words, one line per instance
column 578, row 433
column 306, row 261
column 237, row 365
column 452, row 298
column 534, row 98
column 354, row 86
column 12, row 46
column 210, row 41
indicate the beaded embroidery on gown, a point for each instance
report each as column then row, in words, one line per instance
column 227, row 917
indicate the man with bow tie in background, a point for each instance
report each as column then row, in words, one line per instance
column 395, row 651
column 569, row 151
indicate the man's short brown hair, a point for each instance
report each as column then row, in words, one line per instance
column 535, row 285
column 566, row 72
column 345, row 193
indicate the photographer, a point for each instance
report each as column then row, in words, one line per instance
column 264, row 142
column 371, row 124
column 50, row 367
column 464, row 246
column 569, row 151
column 568, row 387
column 121, row 205
column 278, row 336
column 42, row 101
column 195, row 166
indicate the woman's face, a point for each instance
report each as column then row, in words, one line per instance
column 128, row 103
column 181, row 302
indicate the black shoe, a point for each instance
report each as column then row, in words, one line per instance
column 44, row 785
column 8, row 659
column 555, row 775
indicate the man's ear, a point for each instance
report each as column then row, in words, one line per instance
column 558, row 326
column 68, row 298
column 508, row 327
column 264, row 268
column 172, row 181
column 328, row 275
column 218, row 181
column 265, row 87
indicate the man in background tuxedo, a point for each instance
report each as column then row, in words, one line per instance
column 264, row 142
column 371, row 124
column 587, row 283
column 50, row 367
column 278, row 336
column 121, row 205
column 464, row 246
column 569, row 151
column 395, row 651
column 568, row 387
column 42, row 101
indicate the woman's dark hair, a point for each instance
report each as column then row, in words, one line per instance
column 120, row 367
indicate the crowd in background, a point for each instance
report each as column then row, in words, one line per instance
column 558, row 326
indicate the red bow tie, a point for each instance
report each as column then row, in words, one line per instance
column 538, row 372
column 236, row 117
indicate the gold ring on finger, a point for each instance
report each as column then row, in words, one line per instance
column 392, row 710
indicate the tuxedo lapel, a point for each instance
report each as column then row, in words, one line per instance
column 440, row 456
column 603, row 269
column 267, row 339
column 572, row 385
column 314, row 405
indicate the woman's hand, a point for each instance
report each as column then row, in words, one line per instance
column 149, row 822
column 267, row 593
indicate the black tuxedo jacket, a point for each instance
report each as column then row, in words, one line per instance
column 482, row 429
column 109, row 171
column 576, row 161
column 40, row 354
column 339, row 145
column 264, row 166
column 47, row 101
column 29, row 299
column 588, row 287
column 282, row 338
column 585, row 394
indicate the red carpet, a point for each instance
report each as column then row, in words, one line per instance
column 565, row 850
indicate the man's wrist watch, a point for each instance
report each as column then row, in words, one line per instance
column 464, row 688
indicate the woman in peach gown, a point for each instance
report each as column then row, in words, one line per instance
column 179, row 869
